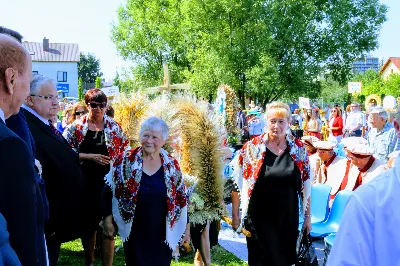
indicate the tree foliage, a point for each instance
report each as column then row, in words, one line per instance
column 98, row 82
column 372, row 83
column 263, row 49
column 89, row 68
column 80, row 90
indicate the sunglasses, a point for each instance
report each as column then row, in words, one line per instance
column 333, row 111
column 80, row 112
column 95, row 105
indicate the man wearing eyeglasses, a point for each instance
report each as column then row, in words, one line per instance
column 61, row 167
column 333, row 167
column 363, row 166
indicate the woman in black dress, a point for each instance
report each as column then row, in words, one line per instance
column 270, row 171
column 98, row 139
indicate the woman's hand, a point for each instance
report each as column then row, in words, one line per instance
column 307, row 224
column 108, row 227
column 100, row 159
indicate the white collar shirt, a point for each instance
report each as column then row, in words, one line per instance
column 2, row 117
column 41, row 118
column 353, row 119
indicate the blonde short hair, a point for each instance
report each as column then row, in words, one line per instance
column 279, row 108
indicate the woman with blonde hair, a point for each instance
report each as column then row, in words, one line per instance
column 270, row 172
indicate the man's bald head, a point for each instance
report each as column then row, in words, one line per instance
column 12, row 55
column 15, row 75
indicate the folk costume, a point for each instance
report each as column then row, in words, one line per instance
column 332, row 171
column 354, row 176
column 150, row 214
column 368, row 233
column 265, row 179
column 315, row 161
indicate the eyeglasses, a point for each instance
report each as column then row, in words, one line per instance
column 333, row 111
column 51, row 98
column 95, row 105
column 80, row 112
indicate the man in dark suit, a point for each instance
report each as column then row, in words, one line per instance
column 20, row 198
column 61, row 167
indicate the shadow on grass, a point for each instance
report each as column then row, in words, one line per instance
column 72, row 255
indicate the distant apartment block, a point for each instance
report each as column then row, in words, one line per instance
column 366, row 63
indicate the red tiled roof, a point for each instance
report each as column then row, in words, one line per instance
column 58, row 52
column 394, row 60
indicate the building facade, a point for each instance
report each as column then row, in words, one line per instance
column 392, row 66
column 363, row 64
column 58, row 61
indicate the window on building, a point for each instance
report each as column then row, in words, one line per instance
column 61, row 76
column 35, row 73
column 391, row 71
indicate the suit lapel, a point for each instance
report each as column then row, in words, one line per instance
column 45, row 128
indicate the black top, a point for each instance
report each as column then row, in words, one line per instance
column 273, row 210
column 95, row 143
column 94, row 173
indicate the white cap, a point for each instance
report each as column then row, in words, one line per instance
column 309, row 140
column 324, row 145
column 360, row 149
column 353, row 140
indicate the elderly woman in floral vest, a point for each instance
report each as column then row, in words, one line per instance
column 146, row 199
column 270, row 172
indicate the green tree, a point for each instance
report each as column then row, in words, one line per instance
column 263, row 49
column 80, row 89
column 117, row 81
column 392, row 85
column 89, row 68
column 98, row 82
column 372, row 83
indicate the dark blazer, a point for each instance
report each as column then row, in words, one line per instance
column 7, row 254
column 20, row 199
column 17, row 123
column 63, row 178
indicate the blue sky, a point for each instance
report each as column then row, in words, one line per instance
column 87, row 22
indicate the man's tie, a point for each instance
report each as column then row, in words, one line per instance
column 55, row 131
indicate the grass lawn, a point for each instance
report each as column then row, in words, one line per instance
column 72, row 255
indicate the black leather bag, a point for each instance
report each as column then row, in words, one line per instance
column 305, row 250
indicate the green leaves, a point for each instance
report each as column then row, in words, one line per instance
column 89, row 68
column 264, row 49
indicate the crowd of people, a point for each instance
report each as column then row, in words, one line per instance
column 277, row 168
column 77, row 177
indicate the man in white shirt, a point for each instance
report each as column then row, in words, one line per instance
column 369, row 232
column 354, row 121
